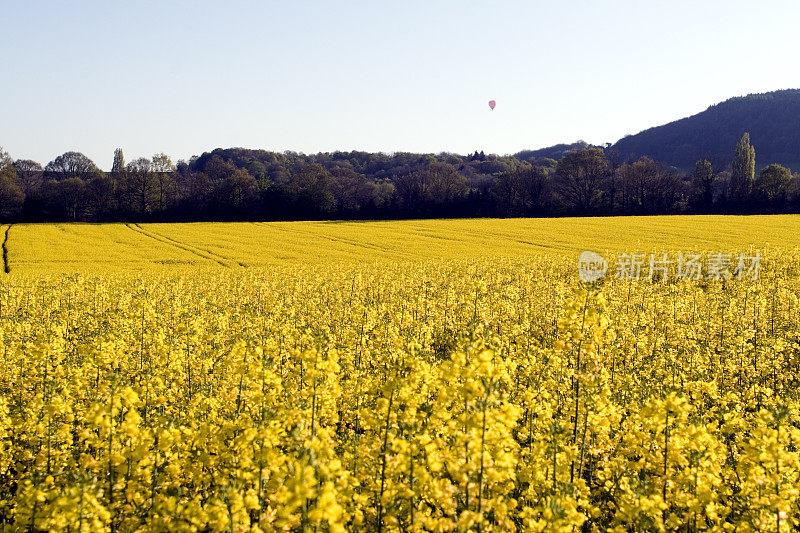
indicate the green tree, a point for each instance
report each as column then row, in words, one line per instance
column 67, row 197
column 118, row 167
column 703, row 183
column 11, row 194
column 445, row 184
column 352, row 190
column 742, row 171
column 237, row 193
column 773, row 185
column 311, row 189
column 99, row 197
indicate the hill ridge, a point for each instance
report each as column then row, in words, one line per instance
column 771, row 118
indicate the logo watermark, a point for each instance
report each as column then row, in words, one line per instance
column 716, row 266
column 591, row 266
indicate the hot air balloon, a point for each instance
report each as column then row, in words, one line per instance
column 492, row 103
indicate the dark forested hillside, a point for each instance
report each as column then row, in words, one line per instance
column 772, row 119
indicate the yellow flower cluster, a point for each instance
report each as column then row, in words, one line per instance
column 493, row 396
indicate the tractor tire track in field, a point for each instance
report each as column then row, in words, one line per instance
column 510, row 238
column 340, row 240
column 177, row 244
column 214, row 255
column 6, row 266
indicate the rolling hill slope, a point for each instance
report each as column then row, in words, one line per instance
column 772, row 119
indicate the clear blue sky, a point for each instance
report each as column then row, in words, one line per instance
column 187, row 77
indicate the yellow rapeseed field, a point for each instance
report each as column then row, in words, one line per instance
column 48, row 248
column 397, row 376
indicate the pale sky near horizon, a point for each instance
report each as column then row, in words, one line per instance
column 187, row 77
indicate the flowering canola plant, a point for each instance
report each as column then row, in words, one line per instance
column 498, row 395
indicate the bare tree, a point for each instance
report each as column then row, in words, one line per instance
column 163, row 171
column 647, row 187
column 523, row 191
column 435, row 185
column 580, row 178
column 29, row 174
column 139, row 185
column 71, row 165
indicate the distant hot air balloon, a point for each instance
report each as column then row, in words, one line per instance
column 492, row 103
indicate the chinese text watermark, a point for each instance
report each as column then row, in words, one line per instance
column 716, row 266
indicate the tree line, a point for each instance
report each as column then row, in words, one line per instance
column 241, row 184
